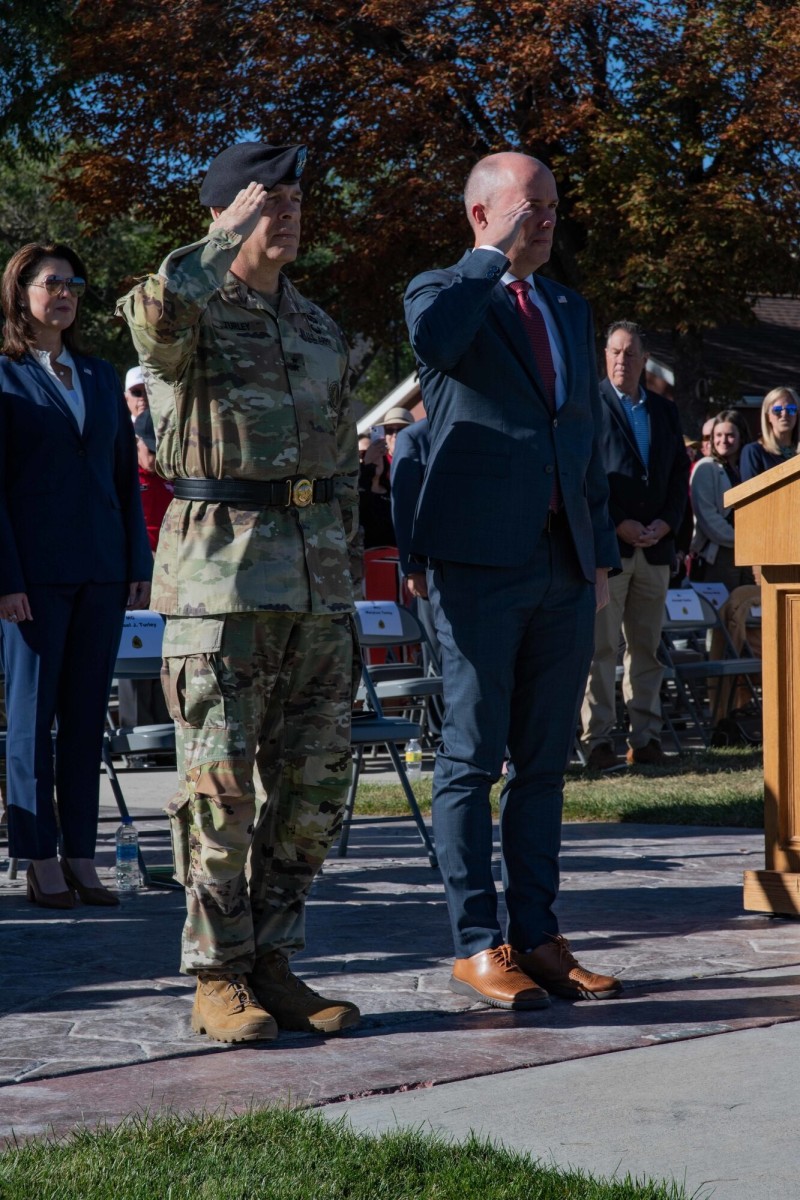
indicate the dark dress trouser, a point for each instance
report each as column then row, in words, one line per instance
column 59, row 665
column 516, row 647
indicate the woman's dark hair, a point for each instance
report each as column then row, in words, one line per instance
column 18, row 336
column 730, row 417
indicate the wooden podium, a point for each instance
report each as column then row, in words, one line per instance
column 768, row 535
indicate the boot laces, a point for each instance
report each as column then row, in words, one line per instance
column 241, row 991
column 280, row 966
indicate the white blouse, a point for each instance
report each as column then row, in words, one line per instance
column 73, row 395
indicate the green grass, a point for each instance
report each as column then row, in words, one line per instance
column 280, row 1154
column 711, row 787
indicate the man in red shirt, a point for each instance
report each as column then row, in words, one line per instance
column 156, row 492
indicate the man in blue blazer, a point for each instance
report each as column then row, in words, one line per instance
column 514, row 524
column 645, row 458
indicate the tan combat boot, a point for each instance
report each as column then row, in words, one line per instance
column 292, row 1002
column 226, row 1009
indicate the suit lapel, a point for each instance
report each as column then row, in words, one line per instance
column 51, row 390
column 615, row 404
column 620, row 416
column 89, row 388
column 504, row 313
column 550, row 292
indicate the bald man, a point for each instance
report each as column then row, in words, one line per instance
column 513, row 523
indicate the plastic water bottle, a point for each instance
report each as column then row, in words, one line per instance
column 413, row 760
column 128, row 877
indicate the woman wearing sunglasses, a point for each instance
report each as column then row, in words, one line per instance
column 779, row 434
column 73, row 554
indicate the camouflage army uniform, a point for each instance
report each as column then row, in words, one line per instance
column 259, row 663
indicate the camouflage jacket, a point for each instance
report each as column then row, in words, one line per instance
column 241, row 391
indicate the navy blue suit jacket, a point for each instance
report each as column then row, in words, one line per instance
column 494, row 443
column 70, row 508
column 410, row 458
column 658, row 491
column 755, row 459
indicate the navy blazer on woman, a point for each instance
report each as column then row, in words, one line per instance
column 658, row 491
column 755, row 459
column 494, row 442
column 70, row 509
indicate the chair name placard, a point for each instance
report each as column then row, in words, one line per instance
column 379, row 617
column 715, row 593
column 683, row 604
column 142, row 634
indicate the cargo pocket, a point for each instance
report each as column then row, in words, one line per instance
column 180, row 817
column 189, row 674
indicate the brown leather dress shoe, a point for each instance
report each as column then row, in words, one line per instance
column 554, row 967
column 494, row 977
column 650, row 755
column 602, row 758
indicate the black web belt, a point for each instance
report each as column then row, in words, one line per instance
column 256, row 493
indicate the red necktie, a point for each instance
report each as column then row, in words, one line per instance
column 534, row 325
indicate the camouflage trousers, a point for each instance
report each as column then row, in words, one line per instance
column 261, row 704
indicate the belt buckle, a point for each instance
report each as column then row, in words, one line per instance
column 302, row 493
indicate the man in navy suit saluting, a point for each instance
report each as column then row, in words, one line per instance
column 513, row 522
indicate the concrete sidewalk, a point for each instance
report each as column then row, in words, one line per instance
column 689, row 1075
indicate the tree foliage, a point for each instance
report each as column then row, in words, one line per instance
column 124, row 247
column 672, row 128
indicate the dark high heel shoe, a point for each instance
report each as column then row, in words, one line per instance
column 89, row 895
column 64, row 899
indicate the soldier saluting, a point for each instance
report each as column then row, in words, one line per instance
column 255, row 571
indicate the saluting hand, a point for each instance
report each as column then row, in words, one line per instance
column 501, row 229
column 242, row 215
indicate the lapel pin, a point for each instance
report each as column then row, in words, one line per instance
column 562, row 299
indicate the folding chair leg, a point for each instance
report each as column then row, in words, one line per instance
column 673, row 733
column 412, row 804
column 691, row 708
column 344, row 836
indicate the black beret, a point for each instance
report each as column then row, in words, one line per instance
column 250, row 162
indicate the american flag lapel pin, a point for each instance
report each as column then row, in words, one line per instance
column 562, row 299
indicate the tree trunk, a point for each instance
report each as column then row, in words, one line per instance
column 691, row 389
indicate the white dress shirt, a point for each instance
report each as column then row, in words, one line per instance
column 73, row 395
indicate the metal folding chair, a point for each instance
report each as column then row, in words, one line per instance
column 371, row 726
column 691, row 667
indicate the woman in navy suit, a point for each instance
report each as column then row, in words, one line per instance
column 73, row 554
